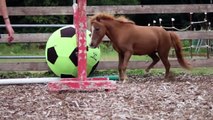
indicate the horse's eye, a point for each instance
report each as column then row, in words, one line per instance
column 97, row 29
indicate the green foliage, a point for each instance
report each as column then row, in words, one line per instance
column 43, row 20
column 39, row 2
column 113, row 2
column 175, row 1
column 186, row 43
column 181, row 20
column 40, row 19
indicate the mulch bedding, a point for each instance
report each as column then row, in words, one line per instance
column 142, row 98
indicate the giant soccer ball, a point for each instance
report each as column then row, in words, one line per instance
column 61, row 53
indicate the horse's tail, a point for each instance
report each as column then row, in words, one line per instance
column 178, row 50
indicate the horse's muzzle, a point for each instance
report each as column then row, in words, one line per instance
column 92, row 45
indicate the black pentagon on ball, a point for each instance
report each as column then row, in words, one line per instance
column 68, row 32
column 73, row 57
column 51, row 55
column 66, row 76
column 93, row 68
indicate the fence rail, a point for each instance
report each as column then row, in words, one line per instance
column 119, row 9
column 103, row 65
column 43, row 37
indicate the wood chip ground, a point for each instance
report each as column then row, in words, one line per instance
column 142, row 98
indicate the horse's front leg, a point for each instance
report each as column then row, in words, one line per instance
column 123, row 63
column 121, row 59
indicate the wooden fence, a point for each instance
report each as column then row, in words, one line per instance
column 121, row 9
column 136, row 9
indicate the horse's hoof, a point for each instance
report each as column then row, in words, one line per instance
column 147, row 74
column 147, row 70
column 124, row 80
column 170, row 76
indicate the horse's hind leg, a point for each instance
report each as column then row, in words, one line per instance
column 155, row 59
column 165, row 61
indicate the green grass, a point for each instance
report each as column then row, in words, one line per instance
column 194, row 71
column 107, row 53
column 37, row 49
column 176, row 71
column 113, row 56
column 160, row 71
column 22, row 49
column 21, row 60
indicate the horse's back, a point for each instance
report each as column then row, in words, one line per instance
column 163, row 37
column 149, row 38
column 156, row 31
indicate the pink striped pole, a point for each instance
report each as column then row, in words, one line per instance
column 80, row 21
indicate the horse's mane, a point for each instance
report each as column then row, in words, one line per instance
column 106, row 16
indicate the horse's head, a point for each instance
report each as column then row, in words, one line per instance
column 98, row 31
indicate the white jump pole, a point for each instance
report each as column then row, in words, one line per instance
column 16, row 81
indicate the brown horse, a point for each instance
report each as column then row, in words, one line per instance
column 130, row 39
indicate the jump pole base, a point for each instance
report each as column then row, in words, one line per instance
column 75, row 84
